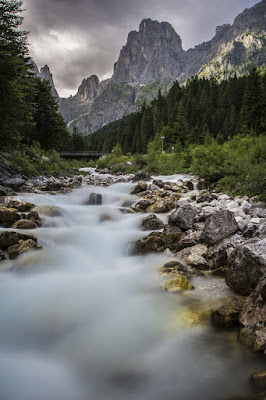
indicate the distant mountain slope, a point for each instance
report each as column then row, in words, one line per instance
column 153, row 58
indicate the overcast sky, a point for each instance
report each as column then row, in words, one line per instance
column 78, row 38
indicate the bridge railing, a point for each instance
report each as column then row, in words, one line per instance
column 81, row 154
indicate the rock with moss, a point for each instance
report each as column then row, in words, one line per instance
column 10, row 238
column 157, row 242
column 139, row 188
column 15, row 202
column 24, row 224
column 142, row 205
column 159, row 206
column 178, row 284
column 22, row 246
column 8, row 216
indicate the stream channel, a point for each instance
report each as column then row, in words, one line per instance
column 83, row 319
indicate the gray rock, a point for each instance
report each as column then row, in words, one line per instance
column 151, row 222
column 252, row 319
column 219, row 226
column 246, row 266
column 183, row 217
column 15, row 183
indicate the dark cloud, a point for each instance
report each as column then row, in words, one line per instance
column 77, row 38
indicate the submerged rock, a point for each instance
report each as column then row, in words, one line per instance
column 173, row 268
column 95, row 199
column 178, row 284
column 227, row 315
column 258, row 380
column 49, row 211
column 10, row 238
column 22, row 246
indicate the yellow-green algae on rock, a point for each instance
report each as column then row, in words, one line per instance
column 178, row 284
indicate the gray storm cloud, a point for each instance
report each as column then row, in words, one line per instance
column 78, row 38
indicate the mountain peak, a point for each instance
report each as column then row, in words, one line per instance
column 46, row 74
column 149, row 54
column 89, row 89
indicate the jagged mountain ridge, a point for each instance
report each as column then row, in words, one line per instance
column 153, row 58
column 45, row 73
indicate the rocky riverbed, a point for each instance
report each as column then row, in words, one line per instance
column 202, row 233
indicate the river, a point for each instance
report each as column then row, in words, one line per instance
column 85, row 320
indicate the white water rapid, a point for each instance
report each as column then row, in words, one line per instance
column 83, row 319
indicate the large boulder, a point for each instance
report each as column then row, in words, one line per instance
column 219, row 226
column 246, row 266
column 152, row 223
column 15, row 202
column 252, row 319
column 183, row 217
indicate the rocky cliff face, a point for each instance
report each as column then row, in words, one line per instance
column 153, row 58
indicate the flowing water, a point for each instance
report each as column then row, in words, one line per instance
column 84, row 320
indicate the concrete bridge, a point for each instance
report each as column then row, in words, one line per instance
column 89, row 155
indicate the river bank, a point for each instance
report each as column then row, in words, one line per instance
column 200, row 235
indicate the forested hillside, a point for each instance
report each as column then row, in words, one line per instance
column 190, row 114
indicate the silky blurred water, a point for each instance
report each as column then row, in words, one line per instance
column 83, row 319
